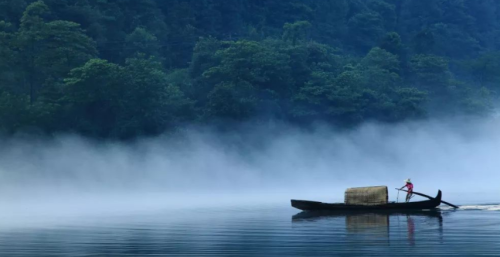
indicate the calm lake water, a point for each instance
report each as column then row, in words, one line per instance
column 263, row 231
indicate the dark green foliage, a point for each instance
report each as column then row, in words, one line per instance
column 231, row 102
column 430, row 72
column 47, row 51
column 94, row 95
column 126, row 68
column 295, row 32
column 140, row 41
column 485, row 69
column 8, row 55
column 106, row 100
column 392, row 43
column 365, row 30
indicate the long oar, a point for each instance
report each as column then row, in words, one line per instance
column 452, row 205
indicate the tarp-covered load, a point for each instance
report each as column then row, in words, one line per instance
column 367, row 195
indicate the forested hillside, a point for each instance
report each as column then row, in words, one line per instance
column 122, row 69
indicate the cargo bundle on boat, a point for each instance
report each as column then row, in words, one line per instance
column 367, row 195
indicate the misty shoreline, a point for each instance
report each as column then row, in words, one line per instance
column 453, row 156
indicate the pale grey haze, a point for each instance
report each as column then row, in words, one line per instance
column 254, row 166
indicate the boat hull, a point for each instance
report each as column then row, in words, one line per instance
column 319, row 206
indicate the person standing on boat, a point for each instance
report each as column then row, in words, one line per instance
column 408, row 185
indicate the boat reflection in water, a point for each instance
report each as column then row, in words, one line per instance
column 378, row 226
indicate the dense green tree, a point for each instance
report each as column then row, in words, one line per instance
column 106, row 100
column 416, row 16
column 386, row 10
column 392, row 43
column 94, row 95
column 13, row 112
column 369, row 90
column 424, row 42
column 151, row 104
column 255, row 63
column 125, row 68
column 329, row 20
column 366, row 29
column 295, row 32
column 430, row 72
column 381, row 59
column 49, row 50
column 8, row 57
column 450, row 41
column 11, row 10
column 231, row 102
column 140, row 41
column 484, row 69
column 484, row 15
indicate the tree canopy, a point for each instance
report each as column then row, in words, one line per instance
column 123, row 69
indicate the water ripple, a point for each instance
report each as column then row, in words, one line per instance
column 260, row 232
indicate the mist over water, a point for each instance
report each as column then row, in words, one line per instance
column 256, row 165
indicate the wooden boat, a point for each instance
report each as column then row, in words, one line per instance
column 319, row 206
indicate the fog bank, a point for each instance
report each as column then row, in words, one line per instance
column 254, row 165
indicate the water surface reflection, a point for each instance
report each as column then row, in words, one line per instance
column 258, row 232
